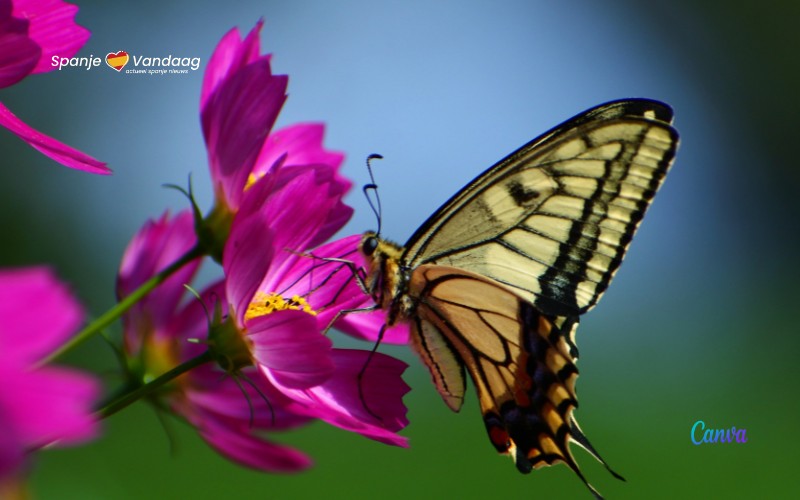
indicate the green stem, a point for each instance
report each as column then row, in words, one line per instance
column 123, row 305
column 146, row 389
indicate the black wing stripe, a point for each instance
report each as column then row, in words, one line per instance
column 562, row 280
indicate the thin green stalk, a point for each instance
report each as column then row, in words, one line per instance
column 123, row 305
column 146, row 389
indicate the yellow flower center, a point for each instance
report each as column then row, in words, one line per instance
column 266, row 303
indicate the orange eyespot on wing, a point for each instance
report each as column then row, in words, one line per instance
column 521, row 362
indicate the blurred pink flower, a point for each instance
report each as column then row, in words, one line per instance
column 39, row 405
column 157, row 337
column 31, row 33
column 157, row 245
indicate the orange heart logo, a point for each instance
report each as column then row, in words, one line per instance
column 117, row 60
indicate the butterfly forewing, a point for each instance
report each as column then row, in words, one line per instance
column 553, row 219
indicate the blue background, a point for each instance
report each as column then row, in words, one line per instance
column 700, row 320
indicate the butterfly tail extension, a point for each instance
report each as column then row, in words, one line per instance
column 579, row 437
column 568, row 326
column 536, row 425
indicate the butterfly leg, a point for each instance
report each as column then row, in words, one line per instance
column 364, row 370
column 358, row 272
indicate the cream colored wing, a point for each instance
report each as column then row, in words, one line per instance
column 553, row 220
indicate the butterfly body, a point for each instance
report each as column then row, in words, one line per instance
column 494, row 282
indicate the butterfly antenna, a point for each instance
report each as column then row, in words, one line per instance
column 373, row 188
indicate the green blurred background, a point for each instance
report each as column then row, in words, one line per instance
column 699, row 323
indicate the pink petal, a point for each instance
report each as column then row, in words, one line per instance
column 12, row 450
column 236, row 120
column 299, row 144
column 382, row 387
column 290, row 347
column 339, row 213
column 212, row 393
column 230, row 55
column 337, row 186
column 312, row 271
column 367, row 326
column 337, row 401
column 295, row 212
column 251, row 451
column 188, row 327
column 245, row 260
column 220, row 64
column 37, row 314
column 155, row 247
column 50, row 147
column 50, row 405
column 52, row 27
column 251, row 403
column 338, row 216
column 18, row 55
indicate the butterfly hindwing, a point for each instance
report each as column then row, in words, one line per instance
column 521, row 362
column 444, row 363
column 553, row 220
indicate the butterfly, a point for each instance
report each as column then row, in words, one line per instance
column 494, row 282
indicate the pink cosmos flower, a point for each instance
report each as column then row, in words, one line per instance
column 239, row 103
column 32, row 32
column 39, row 405
column 281, row 303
